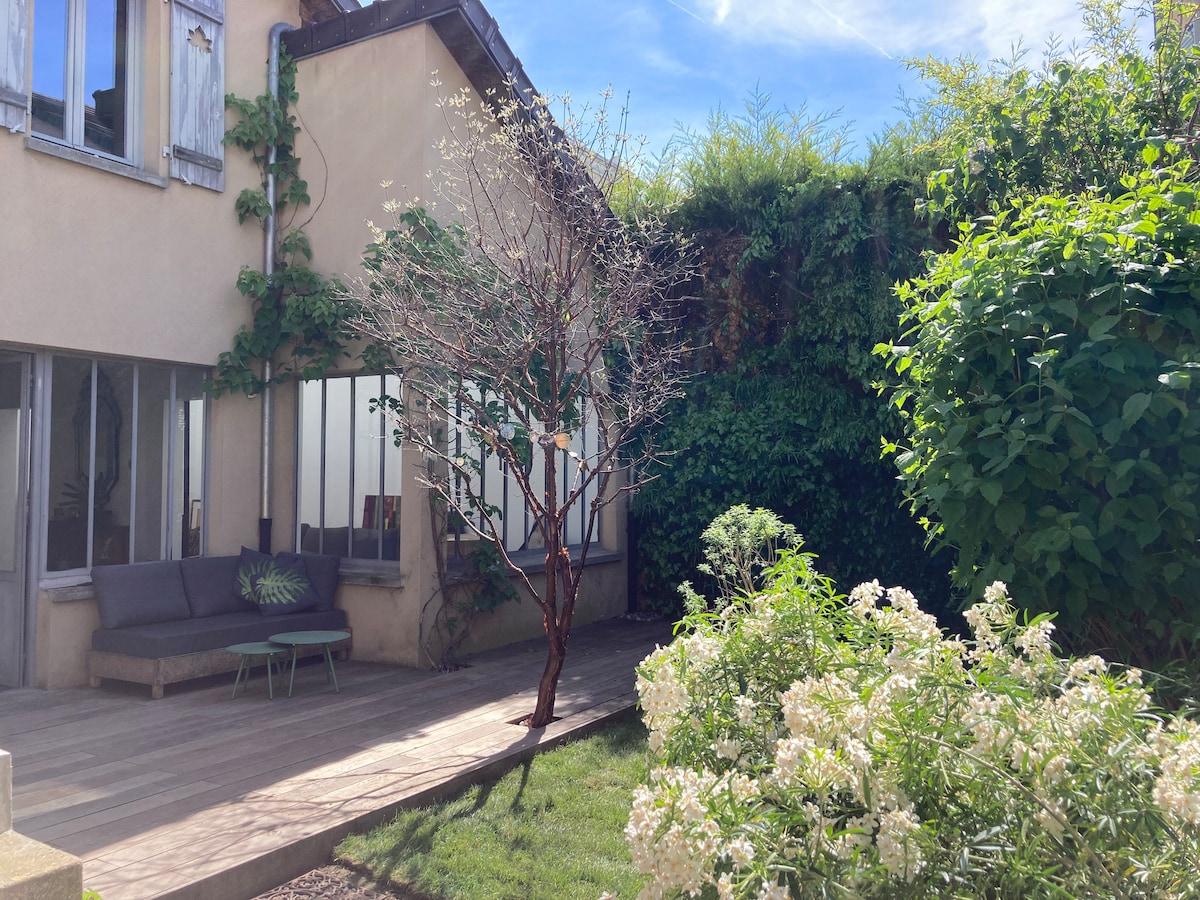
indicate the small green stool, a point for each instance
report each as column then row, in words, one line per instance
column 298, row 639
column 250, row 650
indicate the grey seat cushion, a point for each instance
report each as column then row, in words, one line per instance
column 322, row 569
column 208, row 582
column 140, row 594
column 331, row 541
column 165, row 639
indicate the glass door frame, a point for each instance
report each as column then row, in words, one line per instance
column 17, row 594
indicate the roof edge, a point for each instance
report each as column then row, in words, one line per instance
column 466, row 28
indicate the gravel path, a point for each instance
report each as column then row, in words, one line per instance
column 331, row 883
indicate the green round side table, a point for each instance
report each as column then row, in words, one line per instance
column 247, row 652
column 298, row 639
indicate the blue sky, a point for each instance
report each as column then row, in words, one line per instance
column 676, row 60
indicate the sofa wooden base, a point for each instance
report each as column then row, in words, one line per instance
column 172, row 669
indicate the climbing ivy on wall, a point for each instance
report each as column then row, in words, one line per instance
column 301, row 321
column 781, row 411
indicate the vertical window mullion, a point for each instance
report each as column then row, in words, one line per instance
column 350, row 487
column 133, row 459
column 482, row 464
column 382, row 471
column 172, row 402
column 584, row 504
column 321, row 481
column 76, row 68
column 91, row 494
column 458, row 455
column 564, row 532
column 504, row 485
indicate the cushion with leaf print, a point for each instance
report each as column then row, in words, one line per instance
column 276, row 586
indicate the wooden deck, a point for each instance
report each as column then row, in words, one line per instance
column 205, row 797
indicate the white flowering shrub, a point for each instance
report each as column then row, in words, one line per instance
column 807, row 744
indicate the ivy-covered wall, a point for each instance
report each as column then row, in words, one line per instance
column 781, row 411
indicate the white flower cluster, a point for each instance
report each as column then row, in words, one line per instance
column 1177, row 789
column 672, row 836
column 808, row 745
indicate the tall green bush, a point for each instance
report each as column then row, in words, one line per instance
column 780, row 410
column 1054, row 429
column 1076, row 123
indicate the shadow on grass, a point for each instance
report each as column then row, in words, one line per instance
column 518, row 811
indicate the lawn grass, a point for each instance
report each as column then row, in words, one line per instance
column 551, row 828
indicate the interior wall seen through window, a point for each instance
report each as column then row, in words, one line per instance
column 12, row 403
column 349, row 469
column 349, row 473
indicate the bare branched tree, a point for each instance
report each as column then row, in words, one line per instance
column 525, row 313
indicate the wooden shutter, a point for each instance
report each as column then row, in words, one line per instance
column 198, row 92
column 14, row 31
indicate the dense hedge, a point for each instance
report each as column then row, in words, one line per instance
column 781, row 411
column 1054, row 429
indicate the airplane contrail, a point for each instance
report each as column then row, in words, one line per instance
column 862, row 37
column 684, row 9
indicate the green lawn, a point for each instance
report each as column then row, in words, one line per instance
column 551, row 828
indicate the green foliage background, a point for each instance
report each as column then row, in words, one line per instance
column 799, row 253
column 1055, row 432
column 1046, row 370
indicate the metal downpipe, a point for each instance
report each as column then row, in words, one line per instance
column 268, row 404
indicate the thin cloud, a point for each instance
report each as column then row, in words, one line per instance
column 988, row 28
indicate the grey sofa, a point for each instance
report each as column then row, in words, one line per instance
column 165, row 622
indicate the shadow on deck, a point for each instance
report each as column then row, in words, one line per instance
column 205, row 797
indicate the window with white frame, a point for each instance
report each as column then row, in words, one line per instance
column 125, row 466
column 349, row 468
column 85, row 54
column 85, row 100
column 491, row 480
column 349, row 472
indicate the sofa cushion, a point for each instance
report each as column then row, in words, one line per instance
column 165, row 639
column 322, row 569
column 331, row 541
column 366, row 543
column 278, row 586
column 208, row 582
column 140, row 593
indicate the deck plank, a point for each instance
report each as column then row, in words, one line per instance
column 201, row 796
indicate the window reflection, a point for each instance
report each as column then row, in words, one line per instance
column 80, row 72
column 349, row 475
column 104, row 94
column 49, row 67
column 125, row 463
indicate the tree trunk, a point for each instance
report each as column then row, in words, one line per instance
column 543, row 713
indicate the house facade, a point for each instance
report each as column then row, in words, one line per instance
column 120, row 248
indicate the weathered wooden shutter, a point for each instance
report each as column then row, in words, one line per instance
column 198, row 92
column 14, row 31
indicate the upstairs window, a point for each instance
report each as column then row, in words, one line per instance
column 84, row 56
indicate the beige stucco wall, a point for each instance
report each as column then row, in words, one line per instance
column 381, row 92
column 96, row 262
column 66, row 619
column 369, row 111
column 108, row 265
column 602, row 595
